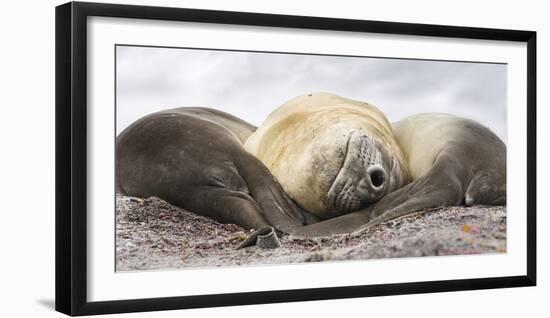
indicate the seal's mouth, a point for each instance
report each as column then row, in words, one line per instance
column 361, row 180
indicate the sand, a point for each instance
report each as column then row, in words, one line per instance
column 151, row 234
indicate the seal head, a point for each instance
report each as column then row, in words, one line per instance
column 332, row 155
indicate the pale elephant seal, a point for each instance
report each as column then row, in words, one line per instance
column 332, row 155
column 452, row 160
column 194, row 158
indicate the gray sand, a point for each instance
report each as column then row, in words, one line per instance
column 152, row 234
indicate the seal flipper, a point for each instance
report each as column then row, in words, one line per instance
column 486, row 189
column 440, row 187
column 243, row 212
column 278, row 208
column 343, row 224
column 227, row 206
column 417, row 203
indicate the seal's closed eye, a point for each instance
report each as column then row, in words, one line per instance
column 215, row 182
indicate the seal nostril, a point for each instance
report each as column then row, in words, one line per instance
column 377, row 178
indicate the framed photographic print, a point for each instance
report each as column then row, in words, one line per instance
column 214, row 158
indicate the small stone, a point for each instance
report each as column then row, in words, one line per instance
column 239, row 236
column 269, row 240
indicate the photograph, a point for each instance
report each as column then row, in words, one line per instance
column 227, row 158
column 220, row 157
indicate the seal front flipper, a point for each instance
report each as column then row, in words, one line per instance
column 344, row 224
column 486, row 189
column 278, row 208
column 418, row 199
column 227, row 206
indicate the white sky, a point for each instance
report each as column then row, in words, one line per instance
column 251, row 85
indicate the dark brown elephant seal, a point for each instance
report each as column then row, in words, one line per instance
column 452, row 160
column 194, row 158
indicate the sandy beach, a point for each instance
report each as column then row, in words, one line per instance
column 152, row 234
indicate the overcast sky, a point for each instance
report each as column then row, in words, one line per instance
column 251, row 85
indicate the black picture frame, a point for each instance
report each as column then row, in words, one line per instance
column 71, row 157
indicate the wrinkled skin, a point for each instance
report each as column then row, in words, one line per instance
column 453, row 161
column 194, row 158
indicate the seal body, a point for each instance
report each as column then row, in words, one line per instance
column 452, row 160
column 194, row 158
column 332, row 155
